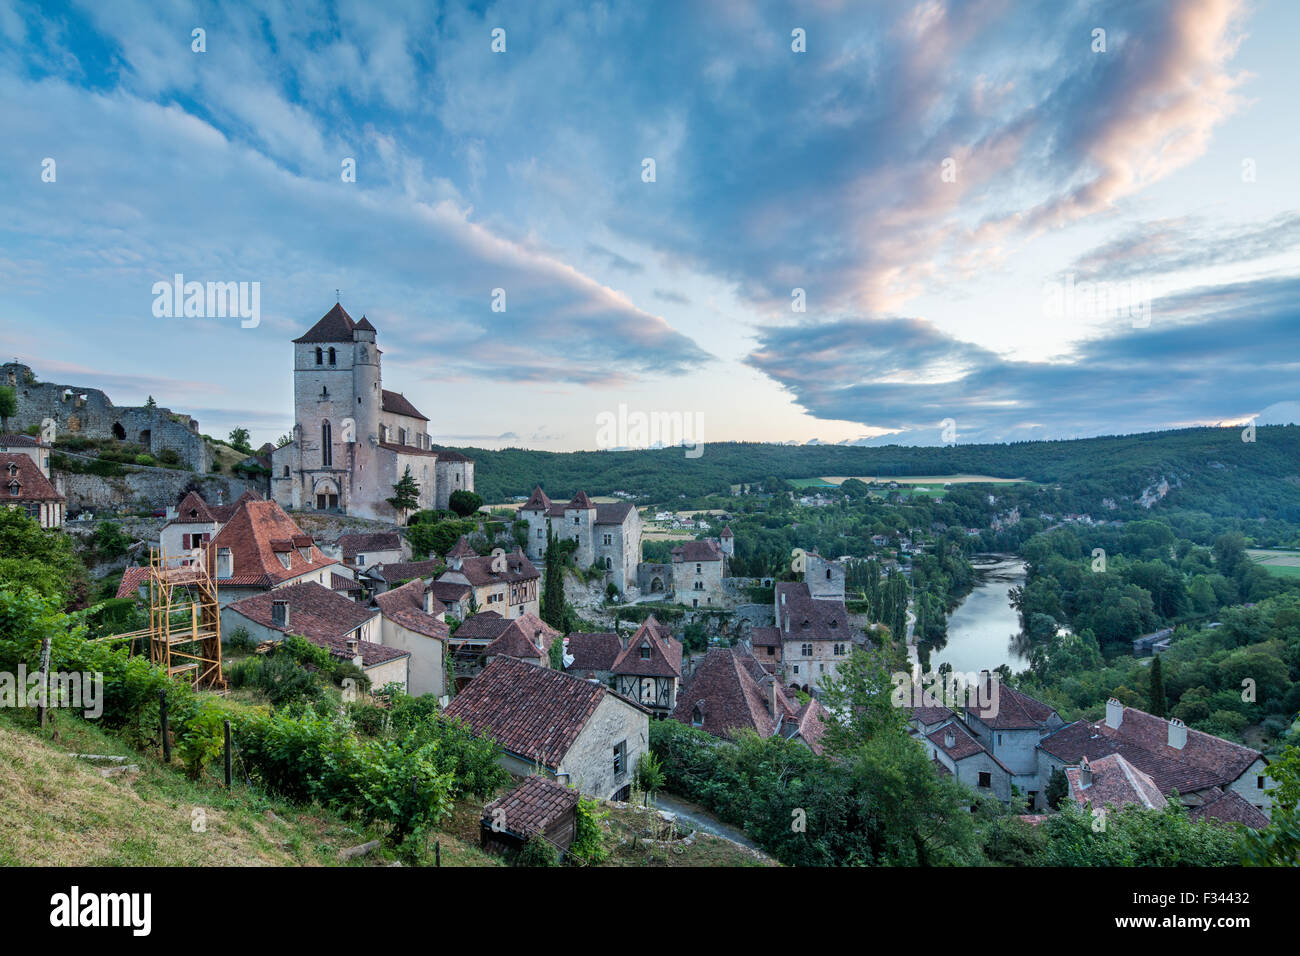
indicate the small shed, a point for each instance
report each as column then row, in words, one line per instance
column 538, row 805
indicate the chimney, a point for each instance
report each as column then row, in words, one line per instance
column 949, row 739
column 428, row 600
column 354, row 650
column 280, row 613
column 774, row 698
column 1177, row 734
column 1114, row 714
column 1085, row 774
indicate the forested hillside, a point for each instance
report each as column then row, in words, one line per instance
column 1209, row 469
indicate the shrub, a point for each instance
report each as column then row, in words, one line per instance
column 241, row 640
column 589, row 833
column 538, row 851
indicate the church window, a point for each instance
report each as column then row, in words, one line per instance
column 320, row 355
column 326, row 444
column 333, row 357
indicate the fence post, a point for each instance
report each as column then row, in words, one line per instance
column 162, row 721
column 227, row 755
column 42, row 701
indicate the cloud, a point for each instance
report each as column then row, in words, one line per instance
column 1218, row 354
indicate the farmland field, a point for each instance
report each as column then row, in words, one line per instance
column 1285, row 564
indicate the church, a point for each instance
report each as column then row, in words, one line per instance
column 353, row 439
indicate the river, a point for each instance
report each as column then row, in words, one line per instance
column 982, row 628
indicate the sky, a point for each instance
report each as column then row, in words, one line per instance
column 847, row 222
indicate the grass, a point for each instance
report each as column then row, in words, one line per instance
column 637, row 838
column 1280, row 563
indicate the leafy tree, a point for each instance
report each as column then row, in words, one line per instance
column 239, row 439
column 283, row 440
column 406, row 493
column 553, row 586
column 8, row 406
column 1058, row 788
column 556, row 653
column 650, row 776
column 464, row 503
column 109, row 540
column 43, row 560
column 1156, row 696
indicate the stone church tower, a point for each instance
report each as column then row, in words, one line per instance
column 352, row 439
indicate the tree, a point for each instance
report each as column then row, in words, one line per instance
column 406, row 493
column 44, row 560
column 239, row 438
column 650, row 776
column 464, row 503
column 557, row 654
column 1156, row 698
column 150, row 403
column 8, row 406
column 283, row 440
column 553, row 586
column 1058, row 788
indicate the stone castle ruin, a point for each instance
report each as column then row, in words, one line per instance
column 89, row 413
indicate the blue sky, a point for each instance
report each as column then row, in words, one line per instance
column 932, row 175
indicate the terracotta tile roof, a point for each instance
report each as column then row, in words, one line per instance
column 810, row 725
column 531, row 807
column 1230, row 807
column 726, row 532
column 513, row 642
column 1143, row 740
column 405, row 606
column 224, row 513
column 533, row 712
column 324, row 617
column 354, row 544
column 21, row 479
column 341, row 582
column 537, row 501
column 594, row 652
column 1116, row 783
column 614, row 512
column 249, row 535
column 765, row 637
column 409, row 449
column 365, row 326
column 706, row 550
column 449, row 592
column 730, row 696
column 132, row 579
column 483, row 626
column 334, row 326
column 665, row 653
column 21, row 441
column 461, row 549
column 193, row 510
column 801, row 617
column 397, row 404
column 479, row 570
column 450, row 454
column 1014, row 710
column 580, row 502
column 963, row 742
column 396, row 571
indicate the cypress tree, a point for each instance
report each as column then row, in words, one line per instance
column 1159, row 705
column 553, row 592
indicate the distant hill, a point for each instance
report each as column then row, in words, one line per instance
column 1211, row 469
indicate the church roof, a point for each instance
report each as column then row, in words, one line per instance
column 397, row 403
column 726, row 532
column 365, row 326
column 334, row 326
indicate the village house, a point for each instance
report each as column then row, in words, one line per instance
column 574, row 731
column 191, row 529
column 261, row 548
column 956, row 750
column 1010, row 727
column 506, row 583
column 380, row 577
column 1112, row 782
column 537, row 808
column 348, row 630
column 353, row 439
column 411, row 619
column 607, row 535
column 26, row 485
column 730, row 691
column 1198, row 765
column 699, row 568
column 815, row 635
column 487, row 635
column 360, row 551
column 649, row 668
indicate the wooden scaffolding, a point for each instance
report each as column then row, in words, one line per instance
column 185, row 622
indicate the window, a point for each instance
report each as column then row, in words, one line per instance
column 699, row 569
column 999, row 740
column 320, row 355
column 620, row 758
column 609, row 539
column 286, row 471
column 1259, row 783
column 541, row 534
column 332, row 357
column 697, row 717
column 828, row 574
column 699, row 585
column 796, row 668
column 839, row 650
column 806, row 650
column 986, row 779
column 645, row 652
column 577, row 519
column 326, row 444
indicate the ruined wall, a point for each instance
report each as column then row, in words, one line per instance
column 145, row 488
column 89, row 413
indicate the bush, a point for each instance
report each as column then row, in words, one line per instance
column 538, row 852
column 241, row 640
column 589, row 832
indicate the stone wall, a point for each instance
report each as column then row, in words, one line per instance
column 143, row 488
column 89, row 413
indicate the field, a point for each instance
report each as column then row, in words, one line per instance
column 939, row 480
column 1284, row 564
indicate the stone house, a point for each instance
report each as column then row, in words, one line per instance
column 957, row 750
column 506, row 583
column 23, row 485
column 380, row 577
column 649, row 668
column 537, row 807
column 608, row 535
column 360, row 551
column 698, row 571
column 353, row 439
column 261, row 548
column 577, row 732
column 815, row 635
column 185, row 535
column 1011, row 727
column 36, row 449
column 411, row 619
column 348, row 630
